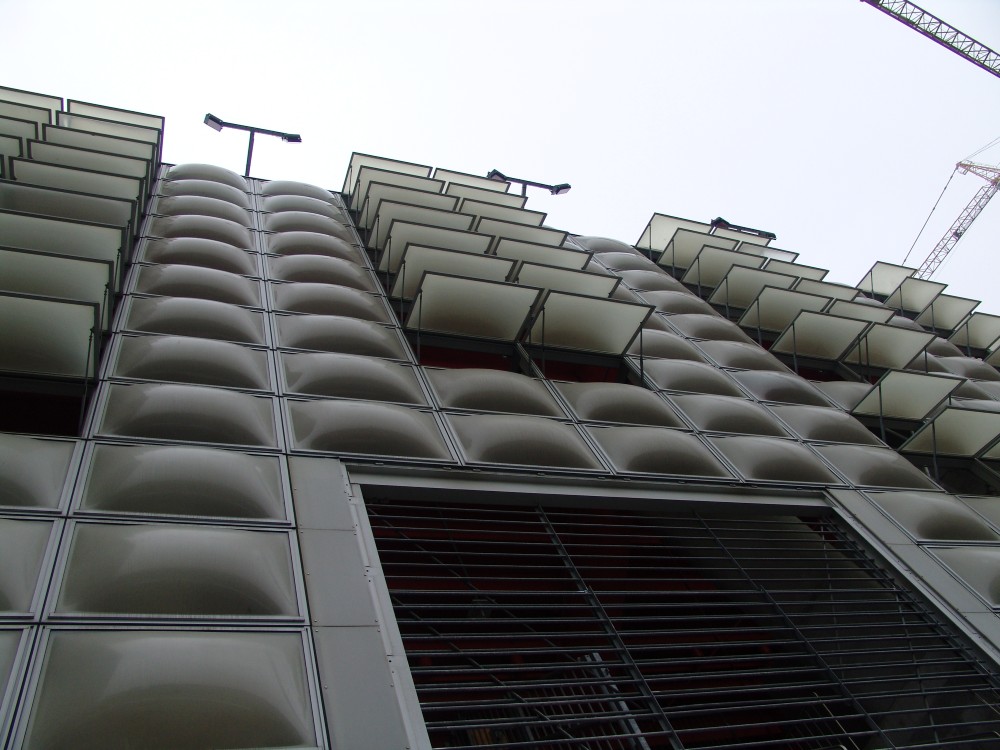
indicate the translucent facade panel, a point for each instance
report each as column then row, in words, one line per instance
column 18, row 196
column 712, row 264
column 98, row 161
column 729, row 414
column 482, row 209
column 189, row 413
column 626, row 261
column 712, row 327
column 601, row 245
column 655, row 450
column 470, row 307
column 321, row 269
column 13, row 110
column 169, row 689
column 781, row 387
column 915, row 295
column 743, row 237
column 33, row 471
column 460, row 178
column 367, row 175
column 60, row 236
column 906, row 395
column 846, row 394
column 80, row 180
column 378, row 192
column 418, row 260
column 678, row 303
column 866, row 466
column 57, row 276
column 826, row 289
column 202, row 283
column 329, row 299
column 830, row 425
column 934, row 517
column 200, row 205
column 305, row 221
column 389, row 213
column 197, row 570
column 940, row 347
column 860, row 311
column 492, row 390
column 10, row 146
column 565, row 280
column 741, row 285
column 957, row 431
column 195, row 251
column 587, row 323
column 980, row 331
column 889, row 347
column 187, row 359
column 884, row 278
column 208, row 172
column 618, row 402
column 796, row 269
column 484, row 195
column 207, row 188
column 48, row 337
column 366, row 428
column 96, row 142
column 404, row 233
column 771, row 459
column 378, row 162
column 752, row 248
column 661, row 228
column 651, row 281
column 351, row 376
column 946, row 312
column 108, row 127
column 524, row 441
column 203, row 227
column 18, row 128
column 281, row 203
column 664, row 345
column 22, row 552
column 969, row 367
column 523, row 232
column 775, row 309
column 311, row 243
column 31, row 99
column 685, row 246
column 292, row 187
column 113, row 113
column 183, row 481
column 339, row 334
column 187, row 316
column 819, row 336
column 979, row 567
column 692, row 377
column 738, row 354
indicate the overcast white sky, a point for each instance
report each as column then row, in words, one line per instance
column 824, row 121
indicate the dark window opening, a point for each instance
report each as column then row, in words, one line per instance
column 43, row 407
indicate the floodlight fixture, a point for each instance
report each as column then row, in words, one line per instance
column 217, row 123
column 496, row 175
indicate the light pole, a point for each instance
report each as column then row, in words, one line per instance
column 561, row 189
column 218, row 124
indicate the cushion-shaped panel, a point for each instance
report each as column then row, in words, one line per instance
column 185, row 316
column 321, row 269
column 206, row 172
column 738, row 354
column 312, row 243
column 627, row 261
column 712, row 327
column 664, row 345
column 187, row 359
column 291, row 187
column 819, row 423
column 492, row 390
column 658, row 451
column 618, row 402
column 979, row 567
column 206, row 188
column 772, row 459
column 202, row 283
column 844, row 393
column 206, row 227
column 305, row 221
column 604, row 245
column 322, row 207
column 934, row 517
column 651, row 281
column 351, row 376
column 22, row 552
column 191, row 251
column 328, row 299
column 33, row 471
column 678, row 303
column 728, row 414
column 780, row 386
column 333, row 333
column 694, row 377
column 531, row 441
column 200, row 205
column 875, row 467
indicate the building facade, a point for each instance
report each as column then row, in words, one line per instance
column 401, row 466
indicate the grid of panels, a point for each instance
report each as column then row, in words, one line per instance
column 550, row 628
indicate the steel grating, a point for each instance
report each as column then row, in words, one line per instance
column 531, row 627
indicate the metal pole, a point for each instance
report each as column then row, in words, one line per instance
column 249, row 153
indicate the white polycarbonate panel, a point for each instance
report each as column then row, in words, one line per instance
column 741, row 355
column 161, row 690
column 492, row 390
column 312, row 243
column 714, row 413
column 98, row 161
column 378, row 192
column 523, row 232
column 906, row 395
column 664, row 345
column 351, row 376
column 469, row 307
column 321, row 269
column 404, row 233
column 712, row 264
column 826, row 289
column 183, row 481
column 366, row 428
column 796, row 269
column 37, row 115
column 772, row 459
column 332, row 333
column 200, row 205
column 204, row 227
column 187, row 316
column 775, row 309
column 829, row 425
column 956, row 431
column 565, row 280
column 656, row 450
column 113, row 113
column 201, row 283
column 915, row 295
column 10, row 146
column 741, row 285
column 323, row 207
column 418, row 260
column 884, row 278
column 946, row 312
column 17, row 128
column 868, row 466
column 306, row 221
column 660, row 229
column 461, row 191
column 684, row 246
column 819, row 336
column 743, row 237
column 22, row 553
column 80, row 180
column 207, row 172
column 712, row 327
column 369, row 175
column 33, row 471
column 48, row 337
column 618, row 402
column 978, row 567
column 97, row 142
column 206, row 188
column 329, row 299
column 889, row 347
column 783, row 387
column 460, row 178
column 481, row 209
column 651, row 281
column 189, row 413
column 627, row 260
column 691, row 377
column 294, row 187
column 31, row 99
column 77, row 279
column 934, row 517
column 194, row 251
column 108, row 127
column 358, row 161
column 526, row 441
column 390, row 212
column 861, row 311
column 197, row 570
column 980, row 331
column 588, row 323
column 18, row 196
column 772, row 253
column 187, row 359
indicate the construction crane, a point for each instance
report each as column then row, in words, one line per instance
column 934, row 28
column 965, row 219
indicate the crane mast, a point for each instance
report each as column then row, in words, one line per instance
column 965, row 219
column 934, row 28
